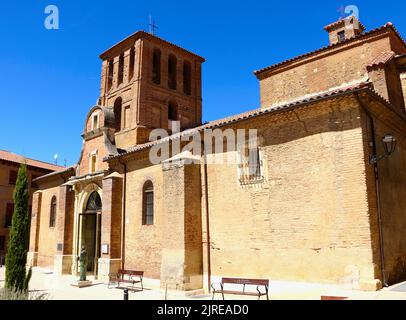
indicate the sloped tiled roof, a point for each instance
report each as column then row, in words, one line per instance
column 382, row 59
column 342, row 22
column 143, row 34
column 388, row 26
column 12, row 157
column 247, row 115
column 69, row 170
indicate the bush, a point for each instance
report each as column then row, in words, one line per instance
column 6, row 294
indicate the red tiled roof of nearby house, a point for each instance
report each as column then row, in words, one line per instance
column 382, row 59
column 250, row 114
column 65, row 171
column 388, row 26
column 12, row 157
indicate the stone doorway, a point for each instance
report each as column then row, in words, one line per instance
column 90, row 231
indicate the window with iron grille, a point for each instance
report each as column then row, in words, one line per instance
column 250, row 163
column 9, row 215
column 148, row 204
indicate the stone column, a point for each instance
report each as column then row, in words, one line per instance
column 182, row 256
column 64, row 231
column 110, row 261
column 32, row 257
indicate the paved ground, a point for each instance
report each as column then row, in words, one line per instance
column 59, row 288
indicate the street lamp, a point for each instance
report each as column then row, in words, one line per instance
column 389, row 144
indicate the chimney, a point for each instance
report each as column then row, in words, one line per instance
column 344, row 29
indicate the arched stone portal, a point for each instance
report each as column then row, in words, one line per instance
column 90, row 230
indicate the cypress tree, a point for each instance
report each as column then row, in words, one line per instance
column 16, row 274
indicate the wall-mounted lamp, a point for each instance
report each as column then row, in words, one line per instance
column 389, row 144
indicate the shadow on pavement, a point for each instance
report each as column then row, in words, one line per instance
column 399, row 288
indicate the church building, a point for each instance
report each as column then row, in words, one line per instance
column 324, row 203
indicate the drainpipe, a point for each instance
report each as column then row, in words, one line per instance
column 123, row 214
column 377, row 190
column 206, row 192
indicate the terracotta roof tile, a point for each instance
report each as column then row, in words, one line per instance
column 143, row 34
column 246, row 115
column 55, row 173
column 341, row 22
column 389, row 26
column 11, row 157
column 382, row 59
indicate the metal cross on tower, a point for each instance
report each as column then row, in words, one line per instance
column 152, row 26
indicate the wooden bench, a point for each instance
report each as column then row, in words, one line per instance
column 260, row 284
column 128, row 277
column 331, row 298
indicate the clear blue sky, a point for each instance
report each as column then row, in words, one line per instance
column 50, row 79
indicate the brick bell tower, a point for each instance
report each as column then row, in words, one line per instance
column 149, row 83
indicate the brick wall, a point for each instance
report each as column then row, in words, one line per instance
column 321, row 73
column 90, row 120
column 145, row 104
column 298, row 224
column 403, row 80
column 143, row 244
column 392, row 193
column 47, row 240
column 182, row 237
column 96, row 144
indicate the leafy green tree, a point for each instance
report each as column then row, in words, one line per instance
column 17, row 278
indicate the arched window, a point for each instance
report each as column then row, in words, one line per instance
column 52, row 214
column 172, row 65
column 120, row 69
column 94, row 204
column 110, row 75
column 187, row 78
column 117, row 113
column 148, row 204
column 156, row 66
column 172, row 112
column 132, row 64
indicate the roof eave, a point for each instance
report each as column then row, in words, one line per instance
column 254, row 114
column 142, row 34
column 261, row 73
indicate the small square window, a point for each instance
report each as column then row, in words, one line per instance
column 93, row 163
column 12, row 178
column 95, row 123
column 341, row 36
column 2, row 243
